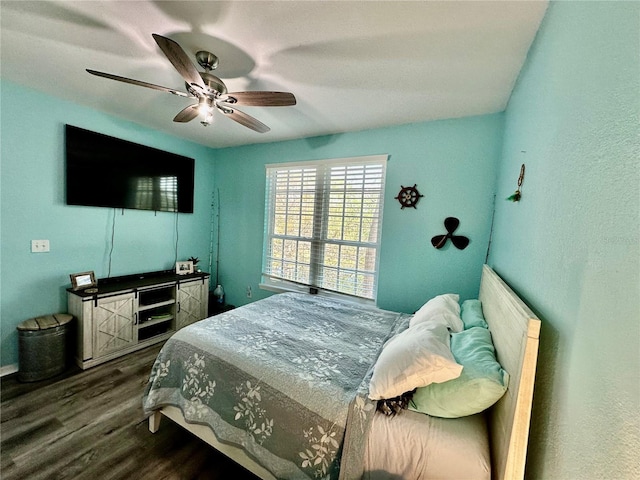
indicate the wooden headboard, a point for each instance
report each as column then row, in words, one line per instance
column 515, row 331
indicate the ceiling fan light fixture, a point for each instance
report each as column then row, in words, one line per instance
column 205, row 109
column 207, row 119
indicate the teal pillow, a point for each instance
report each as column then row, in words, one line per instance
column 471, row 314
column 481, row 383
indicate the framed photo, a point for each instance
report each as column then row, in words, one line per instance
column 184, row 268
column 83, row 280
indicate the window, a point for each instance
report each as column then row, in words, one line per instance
column 323, row 223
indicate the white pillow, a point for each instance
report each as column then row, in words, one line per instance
column 443, row 309
column 417, row 357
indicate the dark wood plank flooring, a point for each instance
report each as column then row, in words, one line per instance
column 90, row 425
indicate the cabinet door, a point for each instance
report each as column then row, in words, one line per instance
column 191, row 303
column 113, row 324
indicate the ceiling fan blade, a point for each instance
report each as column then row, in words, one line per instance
column 179, row 60
column 186, row 114
column 244, row 119
column 137, row 82
column 260, row 99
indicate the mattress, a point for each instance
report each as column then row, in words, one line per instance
column 415, row 446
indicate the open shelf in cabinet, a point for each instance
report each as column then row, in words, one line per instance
column 153, row 328
column 156, row 297
column 162, row 311
column 156, row 311
column 142, row 308
column 154, row 321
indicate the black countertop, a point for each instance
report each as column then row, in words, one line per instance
column 107, row 286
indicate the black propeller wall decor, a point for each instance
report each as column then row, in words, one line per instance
column 459, row 241
column 209, row 91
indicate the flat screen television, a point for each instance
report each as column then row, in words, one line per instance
column 104, row 171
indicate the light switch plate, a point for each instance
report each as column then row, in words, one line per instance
column 39, row 246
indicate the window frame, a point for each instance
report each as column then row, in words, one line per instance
column 322, row 193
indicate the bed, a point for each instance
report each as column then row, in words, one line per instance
column 288, row 393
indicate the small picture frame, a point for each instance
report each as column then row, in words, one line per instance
column 184, row 268
column 83, row 280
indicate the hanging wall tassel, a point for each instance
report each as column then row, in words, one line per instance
column 516, row 196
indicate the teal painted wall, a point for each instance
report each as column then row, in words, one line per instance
column 570, row 247
column 452, row 162
column 33, row 207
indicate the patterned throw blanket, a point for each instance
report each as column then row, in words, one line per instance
column 286, row 378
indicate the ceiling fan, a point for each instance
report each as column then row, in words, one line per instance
column 209, row 90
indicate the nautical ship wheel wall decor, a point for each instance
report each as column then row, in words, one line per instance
column 408, row 196
column 459, row 241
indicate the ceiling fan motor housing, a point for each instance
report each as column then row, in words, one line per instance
column 214, row 85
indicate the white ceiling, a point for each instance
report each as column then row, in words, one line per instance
column 351, row 65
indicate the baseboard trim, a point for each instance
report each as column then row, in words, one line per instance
column 8, row 369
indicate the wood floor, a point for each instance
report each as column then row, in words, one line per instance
column 89, row 425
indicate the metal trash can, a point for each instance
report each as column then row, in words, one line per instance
column 43, row 346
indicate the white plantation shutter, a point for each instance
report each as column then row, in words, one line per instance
column 323, row 224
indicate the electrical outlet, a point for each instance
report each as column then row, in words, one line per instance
column 39, row 246
column 249, row 291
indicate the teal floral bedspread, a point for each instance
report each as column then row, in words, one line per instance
column 286, row 378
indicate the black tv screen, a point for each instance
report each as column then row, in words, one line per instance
column 104, row 171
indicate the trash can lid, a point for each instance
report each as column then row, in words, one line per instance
column 46, row 321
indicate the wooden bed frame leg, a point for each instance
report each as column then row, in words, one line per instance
column 154, row 421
